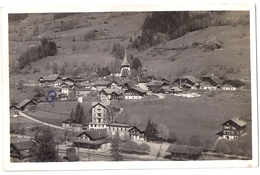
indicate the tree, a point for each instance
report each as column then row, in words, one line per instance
column 223, row 147
column 144, row 147
column 196, row 141
column 172, row 137
column 163, row 131
column 129, row 146
column 115, row 146
column 44, row 146
column 151, row 131
column 55, row 68
column 72, row 118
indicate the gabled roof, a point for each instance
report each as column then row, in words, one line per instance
column 25, row 102
column 52, row 77
column 94, row 134
column 184, row 149
column 110, row 91
column 191, row 78
column 139, row 89
column 235, row 83
column 155, row 83
column 141, row 129
column 238, row 121
column 69, row 83
column 105, row 104
column 101, row 83
column 20, row 146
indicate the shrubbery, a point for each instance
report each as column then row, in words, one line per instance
column 90, row 35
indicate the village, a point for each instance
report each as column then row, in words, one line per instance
column 103, row 99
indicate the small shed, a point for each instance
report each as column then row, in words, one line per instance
column 184, row 152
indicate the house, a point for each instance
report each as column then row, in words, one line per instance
column 233, row 129
column 210, row 82
column 125, row 71
column 101, row 84
column 187, row 82
column 165, row 89
column 51, row 80
column 154, row 86
column 20, row 150
column 14, row 111
column 110, row 94
column 176, row 90
column 81, row 80
column 115, row 85
column 91, row 139
column 101, row 115
column 184, row 152
column 122, row 129
column 79, row 92
column 27, row 105
column 137, row 133
column 135, row 93
column 234, row 84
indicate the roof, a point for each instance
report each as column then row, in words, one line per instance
column 125, row 62
column 184, row 149
column 101, row 83
column 235, row 83
column 141, row 129
column 110, row 91
column 191, row 78
column 25, row 102
column 238, row 121
column 139, row 89
column 176, row 89
column 22, row 145
column 216, row 80
column 94, row 134
column 69, row 83
column 155, row 83
column 105, row 104
column 118, row 124
column 52, row 77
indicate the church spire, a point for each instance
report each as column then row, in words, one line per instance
column 125, row 62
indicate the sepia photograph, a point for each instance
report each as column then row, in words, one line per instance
column 166, row 86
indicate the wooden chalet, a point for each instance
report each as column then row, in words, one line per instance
column 51, row 80
column 101, row 84
column 135, row 93
column 234, row 84
column 111, row 94
column 91, row 139
column 122, row 129
column 187, row 82
column 137, row 133
column 184, row 152
column 154, row 86
column 233, row 129
column 210, row 82
column 20, row 150
column 14, row 111
column 27, row 105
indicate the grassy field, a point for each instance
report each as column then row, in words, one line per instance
column 195, row 116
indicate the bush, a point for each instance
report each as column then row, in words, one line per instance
column 90, row 35
column 144, row 147
column 129, row 147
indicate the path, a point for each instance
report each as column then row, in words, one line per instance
column 44, row 123
column 121, row 110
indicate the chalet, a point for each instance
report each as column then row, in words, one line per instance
column 91, row 139
column 122, row 129
column 83, row 85
column 125, row 71
column 233, row 129
column 176, row 90
column 184, row 152
column 72, row 125
column 210, row 82
column 115, row 85
column 27, row 105
column 14, row 111
column 165, row 90
column 187, row 82
column 82, row 91
column 137, row 133
column 101, row 84
column 154, row 86
column 20, row 150
column 110, row 94
column 101, row 115
column 234, row 84
column 51, row 80
column 135, row 93
column 67, row 79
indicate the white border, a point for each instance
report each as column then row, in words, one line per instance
column 125, row 165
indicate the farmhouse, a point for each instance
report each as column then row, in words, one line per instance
column 82, row 91
column 233, row 129
column 184, row 152
column 187, row 82
column 27, row 105
column 66, row 87
column 234, row 84
column 101, row 84
column 92, row 139
column 137, row 133
column 125, row 68
column 20, row 150
column 14, row 111
column 110, row 94
column 122, row 129
column 176, row 90
column 51, row 80
column 210, row 82
column 135, row 93
column 154, row 86
column 116, row 85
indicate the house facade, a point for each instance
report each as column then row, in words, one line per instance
column 233, row 129
column 14, row 111
column 135, row 93
column 110, row 94
column 210, row 82
column 122, row 129
column 136, row 133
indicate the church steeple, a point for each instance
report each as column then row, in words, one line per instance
column 125, row 62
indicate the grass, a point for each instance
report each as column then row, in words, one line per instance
column 186, row 117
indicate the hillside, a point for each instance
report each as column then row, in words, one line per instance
column 184, row 55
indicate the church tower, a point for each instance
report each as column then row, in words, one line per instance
column 125, row 68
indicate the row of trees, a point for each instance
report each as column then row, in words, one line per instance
column 46, row 48
column 77, row 116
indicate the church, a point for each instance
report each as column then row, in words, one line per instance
column 125, row 68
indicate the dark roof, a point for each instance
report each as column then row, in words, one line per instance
column 20, row 146
column 50, row 77
column 118, row 124
column 141, row 129
column 110, row 91
column 25, row 102
column 105, row 104
column 216, row 80
column 101, row 83
column 235, row 83
column 191, row 78
column 94, row 134
column 238, row 121
column 184, row 149
column 155, row 83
